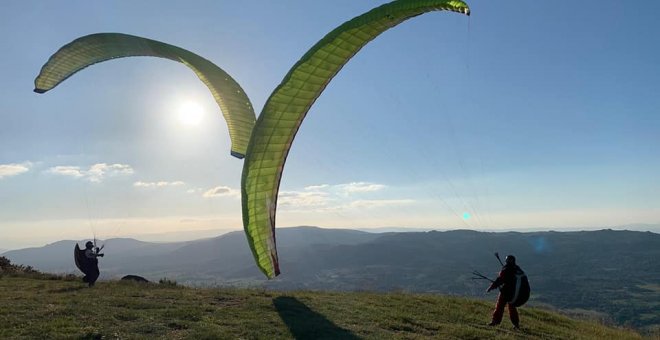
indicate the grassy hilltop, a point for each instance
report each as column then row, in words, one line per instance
column 39, row 307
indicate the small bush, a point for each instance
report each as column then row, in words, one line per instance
column 5, row 264
column 10, row 269
column 6, row 267
column 167, row 282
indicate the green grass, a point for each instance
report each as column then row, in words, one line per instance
column 49, row 308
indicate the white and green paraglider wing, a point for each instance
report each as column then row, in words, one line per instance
column 95, row 48
column 287, row 106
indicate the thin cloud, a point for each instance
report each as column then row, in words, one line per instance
column 71, row 171
column 221, row 191
column 14, row 169
column 317, row 187
column 359, row 187
column 346, row 188
column 338, row 197
column 159, row 184
column 369, row 204
column 303, row 199
column 96, row 173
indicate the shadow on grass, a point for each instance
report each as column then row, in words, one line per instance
column 68, row 289
column 305, row 323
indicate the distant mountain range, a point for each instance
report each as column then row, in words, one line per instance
column 616, row 274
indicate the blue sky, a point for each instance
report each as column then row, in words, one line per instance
column 525, row 115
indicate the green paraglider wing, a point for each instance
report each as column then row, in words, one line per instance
column 287, row 106
column 95, row 48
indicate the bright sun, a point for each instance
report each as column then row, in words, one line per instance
column 190, row 113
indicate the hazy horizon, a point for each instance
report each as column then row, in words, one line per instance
column 192, row 235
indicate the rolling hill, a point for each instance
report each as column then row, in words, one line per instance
column 607, row 275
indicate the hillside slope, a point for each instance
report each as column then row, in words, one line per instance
column 37, row 308
column 606, row 274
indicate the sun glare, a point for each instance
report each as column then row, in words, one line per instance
column 190, row 113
